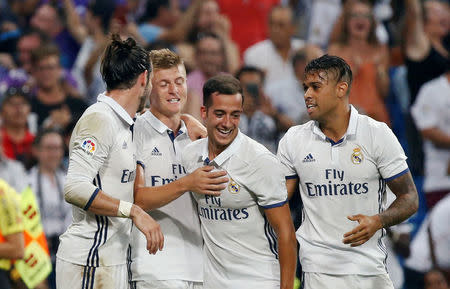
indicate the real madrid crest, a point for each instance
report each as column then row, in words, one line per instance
column 357, row 156
column 233, row 187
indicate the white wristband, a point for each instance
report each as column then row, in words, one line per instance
column 124, row 209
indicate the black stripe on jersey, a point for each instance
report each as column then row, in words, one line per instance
column 269, row 237
column 102, row 231
column 381, row 194
column 274, row 237
column 130, row 274
column 84, row 277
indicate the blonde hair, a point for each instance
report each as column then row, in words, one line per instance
column 164, row 59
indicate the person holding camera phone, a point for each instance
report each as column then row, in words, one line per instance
column 261, row 120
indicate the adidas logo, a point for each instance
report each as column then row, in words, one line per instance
column 155, row 152
column 124, row 145
column 309, row 158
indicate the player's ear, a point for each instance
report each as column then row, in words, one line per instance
column 342, row 89
column 203, row 112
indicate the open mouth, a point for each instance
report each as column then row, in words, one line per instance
column 174, row 100
column 310, row 107
column 224, row 132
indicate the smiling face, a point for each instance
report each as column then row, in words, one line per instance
column 323, row 95
column 169, row 91
column 222, row 118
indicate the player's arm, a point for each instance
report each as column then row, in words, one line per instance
column 439, row 138
column 195, row 128
column 85, row 163
column 291, row 185
column 404, row 206
column 201, row 181
column 280, row 220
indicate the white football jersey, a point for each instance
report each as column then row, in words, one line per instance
column 181, row 259
column 240, row 245
column 102, row 156
column 339, row 180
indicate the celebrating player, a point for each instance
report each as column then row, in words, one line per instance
column 248, row 231
column 160, row 136
column 341, row 161
column 92, row 252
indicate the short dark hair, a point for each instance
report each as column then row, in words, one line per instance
column 152, row 9
column 123, row 62
column 223, row 84
column 331, row 64
column 250, row 69
column 16, row 91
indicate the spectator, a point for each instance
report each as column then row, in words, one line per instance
column 163, row 20
column 16, row 135
column 369, row 60
column 426, row 57
column 51, row 21
column 287, row 94
column 47, row 182
column 247, row 18
column 54, row 107
column 87, row 64
column 322, row 18
column 11, row 232
column 274, row 55
column 259, row 120
column 12, row 171
column 210, row 58
column 431, row 246
column 29, row 41
column 209, row 20
column 431, row 112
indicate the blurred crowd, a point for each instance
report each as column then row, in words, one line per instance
column 398, row 50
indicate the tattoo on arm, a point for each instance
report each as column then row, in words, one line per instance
column 405, row 204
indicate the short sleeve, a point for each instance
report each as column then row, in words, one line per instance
column 391, row 159
column 285, row 158
column 10, row 214
column 267, row 182
column 424, row 108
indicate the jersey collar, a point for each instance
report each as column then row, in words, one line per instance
column 159, row 126
column 223, row 156
column 116, row 107
column 351, row 130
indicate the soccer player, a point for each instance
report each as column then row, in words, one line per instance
column 341, row 161
column 248, row 232
column 100, row 179
column 161, row 135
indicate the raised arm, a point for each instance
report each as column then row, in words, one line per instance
column 280, row 220
column 74, row 24
column 184, row 24
column 417, row 42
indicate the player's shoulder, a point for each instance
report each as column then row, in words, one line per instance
column 98, row 111
column 194, row 149
column 251, row 151
column 301, row 130
column 366, row 124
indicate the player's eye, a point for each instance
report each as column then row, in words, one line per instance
column 179, row 81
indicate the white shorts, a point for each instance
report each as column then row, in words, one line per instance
column 166, row 284
column 311, row 280
column 73, row 276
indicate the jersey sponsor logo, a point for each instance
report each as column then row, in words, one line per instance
column 214, row 211
column 155, row 152
column 357, row 156
column 309, row 158
column 88, row 145
column 127, row 176
column 336, row 186
column 233, row 187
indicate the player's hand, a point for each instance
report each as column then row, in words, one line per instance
column 204, row 181
column 149, row 227
column 195, row 128
column 368, row 225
